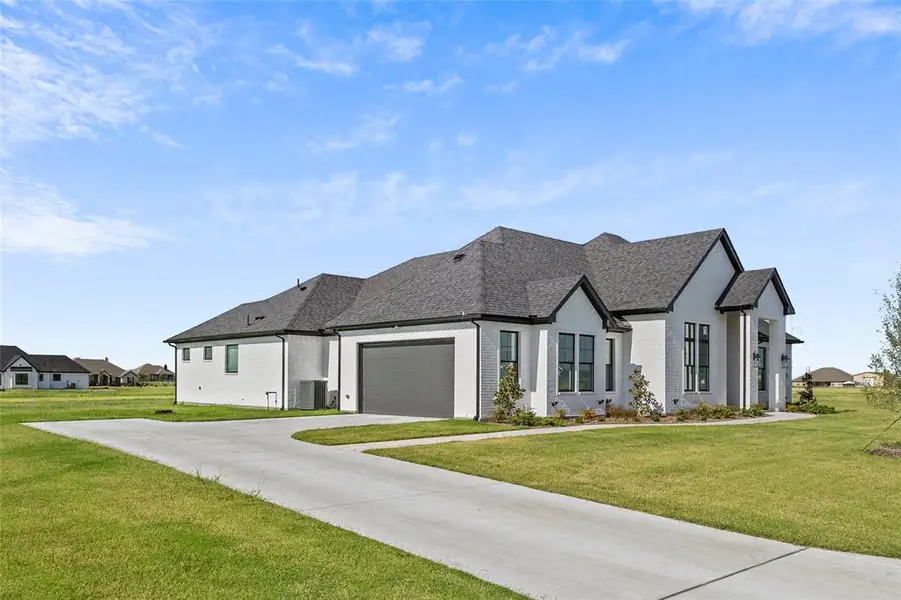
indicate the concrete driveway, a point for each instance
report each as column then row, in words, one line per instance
column 544, row 545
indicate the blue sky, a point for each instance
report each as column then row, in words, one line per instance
column 161, row 164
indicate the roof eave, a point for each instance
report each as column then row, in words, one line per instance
column 244, row 335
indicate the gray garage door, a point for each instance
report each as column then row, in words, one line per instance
column 408, row 379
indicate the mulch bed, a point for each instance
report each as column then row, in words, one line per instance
column 638, row 420
column 889, row 450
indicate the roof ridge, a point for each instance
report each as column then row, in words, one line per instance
column 716, row 230
column 311, row 287
column 481, row 293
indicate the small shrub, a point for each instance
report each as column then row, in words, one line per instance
column 806, row 395
column 561, row 414
column 655, row 417
column 586, row 416
column 813, row 409
column 618, row 412
column 642, row 397
column 549, row 422
column 507, row 395
column 524, row 417
column 755, row 410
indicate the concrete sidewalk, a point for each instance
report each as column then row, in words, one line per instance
column 541, row 544
column 470, row 437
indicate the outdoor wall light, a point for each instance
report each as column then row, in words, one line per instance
column 609, row 401
column 756, row 357
column 676, row 400
column 554, row 402
column 786, row 361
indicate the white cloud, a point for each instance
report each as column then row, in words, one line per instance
column 430, row 86
column 467, row 139
column 504, row 88
column 401, row 42
column 36, row 219
column 81, row 75
column 759, row 21
column 160, row 138
column 548, row 48
column 373, row 131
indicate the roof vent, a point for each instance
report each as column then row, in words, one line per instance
column 459, row 257
column 303, row 288
column 259, row 318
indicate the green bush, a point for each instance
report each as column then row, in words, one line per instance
column 617, row 412
column 561, row 414
column 813, row 409
column 523, row 417
column 706, row 412
column 586, row 416
column 755, row 410
column 507, row 394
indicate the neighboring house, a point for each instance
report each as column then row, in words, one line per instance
column 868, row 379
column 20, row 370
column 828, row 376
column 431, row 335
column 103, row 372
column 150, row 373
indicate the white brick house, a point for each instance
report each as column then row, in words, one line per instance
column 20, row 370
column 429, row 336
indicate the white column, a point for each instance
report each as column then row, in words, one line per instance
column 777, row 373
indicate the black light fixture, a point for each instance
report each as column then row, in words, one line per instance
column 756, row 357
column 786, row 361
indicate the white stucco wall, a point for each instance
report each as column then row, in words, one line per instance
column 464, row 336
column 645, row 349
column 577, row 316
column 770, row 305
column 79, row 380
column 534, row 397
column 9, row 376
column 307, row 359
column 259, row 371
column 696, row 305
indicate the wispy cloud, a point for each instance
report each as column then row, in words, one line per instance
column 549, row 47
column 160, row 138
column 91, row 72
column 374, row 130
column 503, row 88
column 758, row 21
column 467, row 139
column 35, row 218
column 429, row 86
column 402, row 42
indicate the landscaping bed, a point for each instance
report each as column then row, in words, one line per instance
column 362, row 434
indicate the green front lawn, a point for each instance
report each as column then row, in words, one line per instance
column 805, row 482
column 361, row 434
column 78, row 520
column 124, row 403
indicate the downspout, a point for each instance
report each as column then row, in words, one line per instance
column 478, row 370
column 338, row 333
column 283, row 370
column 175, row 362
column 745, row 392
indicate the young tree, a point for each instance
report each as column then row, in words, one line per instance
column 507, row 395
column 806, row 395
column 642, row 397
column 887, row 361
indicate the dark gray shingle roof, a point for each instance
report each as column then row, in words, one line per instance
column 829, row 375
column 9, row 354
column 304, row 307
column 96, row 365
column 151, row 369
column 55, row 363
column 746, row 288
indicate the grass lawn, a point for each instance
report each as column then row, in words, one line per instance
column 805, row 482
column 78, row 520
column 397, row 431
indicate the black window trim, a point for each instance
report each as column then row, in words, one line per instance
column 579, row 360
column 205, row 348
column 186, row 354
column 572, row 382
column 689, row 349
column 762, row 374
column 516, row 350
column 704, row 357
column 610, row 365
column 16, row 379
column 56, row 377
column 235, row 346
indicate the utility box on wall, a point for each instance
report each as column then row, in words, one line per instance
column 308, row 395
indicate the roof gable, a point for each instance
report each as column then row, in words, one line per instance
column 9, row 354
column 746, row 288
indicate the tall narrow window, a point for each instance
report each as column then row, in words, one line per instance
column 609, row 370
column 689, row 357
column 231, row 358
column 566, row 354
column 703, row 358
column 509, row 352
column 207, row 353
column 586, row 363
column 186, row 354
column 761, row 368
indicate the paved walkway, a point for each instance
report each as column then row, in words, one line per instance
column 544, row 545
column 469, row 437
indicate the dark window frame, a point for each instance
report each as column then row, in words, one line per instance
column 40, row 377
column 762, row 352
column 610, row 365
column 502, row 364
column 205, row 357
column 185, row 355
column 703, row 357
column 571, row 386
column 56, row 377
column 227, row 352
column 18, row 375
column 590, row 387
column 689, row 348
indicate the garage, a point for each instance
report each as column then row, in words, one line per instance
column 408, row 378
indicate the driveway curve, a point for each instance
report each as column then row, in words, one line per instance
column 542, row 544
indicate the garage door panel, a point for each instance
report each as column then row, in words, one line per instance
column 408, row 379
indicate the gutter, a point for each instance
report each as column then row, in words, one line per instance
column 478, row 416
column 338, row 333
column 745, row 387
column 283, row 369
column 174, row 350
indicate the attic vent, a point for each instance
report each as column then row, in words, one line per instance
column 302, row 288
column 459, row 257
column 260, row 317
